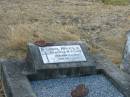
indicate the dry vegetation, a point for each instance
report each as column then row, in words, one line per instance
column 116, row 2
column 102, row 26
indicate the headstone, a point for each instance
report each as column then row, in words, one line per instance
column 126, row 57
column 60, row 55
column 64, row 53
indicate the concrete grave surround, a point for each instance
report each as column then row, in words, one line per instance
column 16, row 74
column 126, row 56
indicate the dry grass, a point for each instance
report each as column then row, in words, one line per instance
column 24, row 21
column 116, row 2
column 114, row 46
column 19, row 35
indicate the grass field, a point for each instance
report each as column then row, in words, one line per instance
column 102, row 26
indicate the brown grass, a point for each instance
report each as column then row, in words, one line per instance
column 24, row 21
column 18, row 37
column 116, row 2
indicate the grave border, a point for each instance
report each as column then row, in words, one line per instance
column 18, row 85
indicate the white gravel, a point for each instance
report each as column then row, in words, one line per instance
column 98, row 86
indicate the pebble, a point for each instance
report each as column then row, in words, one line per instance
column 80, row 91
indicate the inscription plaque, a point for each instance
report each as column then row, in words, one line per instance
column 59, row 54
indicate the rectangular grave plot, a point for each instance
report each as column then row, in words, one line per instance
column 35, row 78
column 105, row 84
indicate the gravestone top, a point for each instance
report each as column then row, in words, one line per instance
column 70, row 54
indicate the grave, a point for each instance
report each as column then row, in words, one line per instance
column 54, row 69
column 126, row 54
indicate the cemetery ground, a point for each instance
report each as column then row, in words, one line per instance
column 102, row 26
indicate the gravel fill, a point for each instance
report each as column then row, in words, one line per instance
column 98, row 86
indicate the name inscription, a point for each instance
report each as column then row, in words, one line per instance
column 59, row 54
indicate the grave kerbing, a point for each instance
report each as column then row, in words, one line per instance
column 126, row 54
column 18, row 74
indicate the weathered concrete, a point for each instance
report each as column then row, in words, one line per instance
column 119, row 78
column 126, row 57
column 15, row 83
column 1, row 62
